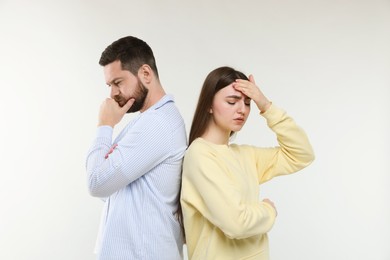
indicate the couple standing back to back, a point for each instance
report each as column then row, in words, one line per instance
column 141, row 177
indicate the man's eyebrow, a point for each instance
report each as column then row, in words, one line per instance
column 112, row 81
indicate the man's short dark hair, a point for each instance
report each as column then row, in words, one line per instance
column 131, row 52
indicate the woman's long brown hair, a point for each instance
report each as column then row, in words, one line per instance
column 215, row 80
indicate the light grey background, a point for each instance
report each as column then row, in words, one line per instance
column 326, row 62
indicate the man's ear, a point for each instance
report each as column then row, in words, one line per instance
column 145, row 73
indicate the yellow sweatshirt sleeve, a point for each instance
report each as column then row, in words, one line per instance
column 208, row 189
column 293, row 153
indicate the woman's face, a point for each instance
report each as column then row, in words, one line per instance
column 230, row 109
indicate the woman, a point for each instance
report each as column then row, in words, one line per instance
column 223, row 217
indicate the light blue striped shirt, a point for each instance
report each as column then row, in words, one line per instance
column 139, row 179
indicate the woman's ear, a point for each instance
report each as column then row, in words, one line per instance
column 211, row 110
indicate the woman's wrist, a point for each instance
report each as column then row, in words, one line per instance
column 265, row 107
column 263, row 104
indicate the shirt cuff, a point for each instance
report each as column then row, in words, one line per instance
column 104, row 131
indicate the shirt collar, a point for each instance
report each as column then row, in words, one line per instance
column 164, row 100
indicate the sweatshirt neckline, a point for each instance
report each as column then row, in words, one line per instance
column 220, row 146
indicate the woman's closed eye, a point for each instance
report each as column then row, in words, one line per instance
column 247, row 102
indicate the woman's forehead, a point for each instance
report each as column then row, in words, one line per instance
column 229, row 91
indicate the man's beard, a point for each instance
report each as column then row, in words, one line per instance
column 139, row 96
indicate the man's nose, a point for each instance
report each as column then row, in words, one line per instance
column 114, row 91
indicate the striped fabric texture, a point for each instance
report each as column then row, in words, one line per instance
column 138, row 175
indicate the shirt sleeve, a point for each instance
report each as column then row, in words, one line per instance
column 293, row 153
column 210, row 190
column 145, row 145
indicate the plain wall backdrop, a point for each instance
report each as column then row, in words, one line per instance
column 326, row 62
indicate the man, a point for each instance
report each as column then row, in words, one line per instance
column 138, row 174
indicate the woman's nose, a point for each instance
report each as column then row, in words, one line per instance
column 242, row 108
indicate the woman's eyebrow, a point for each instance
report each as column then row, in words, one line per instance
column 234, row 96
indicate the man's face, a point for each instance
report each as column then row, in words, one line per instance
column 124, row 86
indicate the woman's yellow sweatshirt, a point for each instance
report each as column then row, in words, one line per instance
column 223, row 215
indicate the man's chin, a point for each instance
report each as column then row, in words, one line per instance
column 134, row 108
column 131, row 111
column 121, row 103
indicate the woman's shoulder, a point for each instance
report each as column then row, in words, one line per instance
column 199, row 145
column 202, row 144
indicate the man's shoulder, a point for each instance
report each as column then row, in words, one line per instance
column 166, row 114
column 160, row 122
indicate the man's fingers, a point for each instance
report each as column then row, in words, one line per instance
column 129, row 103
